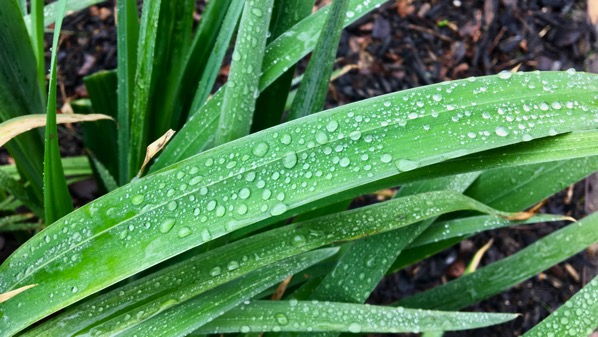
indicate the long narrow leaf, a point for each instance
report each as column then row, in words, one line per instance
column 271, row 103
column 501, row 275
column 208, row 270
column 10, row 185
column 187, row 317
column 20, row 93
column 260, row 179
column 311, row 94
column 36, row 32
column 577, row 317
column 57, row 199
column 73, row 166
column 344, row 317
column 208, row 76
column 127, row 39
column 238, row 104
column 146, row 49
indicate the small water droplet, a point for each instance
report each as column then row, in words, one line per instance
column 245, row 329
column 232, row 265
column 74, row 289
column 437, row 97
column 172, row 205
column 236, row 56
column 215, row 271
column 354, row 328
column 298, row 240
column 281, row 318
column 355, row 135
column 257, row 12
column 505, row 75
column 195, row 180
column 286, row 139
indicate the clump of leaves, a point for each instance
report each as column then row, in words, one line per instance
column 200, row 243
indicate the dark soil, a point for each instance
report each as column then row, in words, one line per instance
column 408, row 44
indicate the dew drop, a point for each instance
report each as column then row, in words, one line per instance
column 298, row 240
column 505, row 75
column 236, row 56
column 172, row 205
column 281, row 318
column 437, row 97
column 137, row 200
column 501, row 131
column 166, row 225
column 344, row 162
column 386, row 158
column 232, row 265
column 406, row 165
column 355, row 135
column 74, row 289
column 256, row 11
column 245, row 329
column 220, row 210
column 242, row 209
column 286, row 139
column 244, row 193
column 289, row 160
column 321, row 137
column 183, row 232
column 279, row 209
column 215, row 271
column 332, row 126
column 354, row 328
column 412, row 115
column 260, row 149
column 195, row 180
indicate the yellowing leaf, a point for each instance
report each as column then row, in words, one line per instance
column 15, row 126
column 8, row 295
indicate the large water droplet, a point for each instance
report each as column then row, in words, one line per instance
column 298, row 240
column 184, row 231
column 260, row 149
column 279, row 209
column 406, row 165
column 354, row 328
column 166, row 225
column 244, row 193
column 332, row 126
column 215, row 271
column 501, row 131
column 232, row 265
column 505, row 75
column 289, row 160
column 386, row 158
column 281, row 318
column 138, row 199
column 286, row 139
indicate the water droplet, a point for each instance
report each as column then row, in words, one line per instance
column 344, row 162
column 298, row 240
column 166, row 225
column 471, row 134
column 211, row 205
column 437, row 97
column 244, row 193
column 232, row 265
column 406, row 165
column 527, row 137
column 355, row 135
column 215, row 271
column 505, row 75
column 260, row 149
column 321, row 137
column 286, row 139
column 279, row 209
column 242, row 209
column 386, row 158
column 195, row 180
column 257, row 12
column 220, row 210
column 501, row 131
column 184, row 231
column 281, row 318
column 289, row 160
column 74, row 289
column 332, row 126
column 245, row 329
column 236, row 56
column 350, row 14
column 138, row 199
column 412, row 115
column 387, row 104
column 293, row 302
column 354, row 328
column 172, row 205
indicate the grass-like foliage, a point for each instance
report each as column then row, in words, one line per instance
column 241, row 223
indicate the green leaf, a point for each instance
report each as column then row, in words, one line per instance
column 311, row 94
column 10, row 185
column 144, row 76
column 459, row 227
column 233, row 260
column 57, row 199
column 577, row 317
column 20, row 93
column 212, row 67
column 103, row 173
column 344, row 317
column 101, row 137
column 271, row 103
column 501, row 275
column 209, row 37
column 259, row 180
column 197, row 134
column 36, row 33
column 188, row 316
column 73, row 166
column 238, row 104
column 127, row 39
column 50, row 10
column 172, row 45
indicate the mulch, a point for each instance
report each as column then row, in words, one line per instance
column 406, row 44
